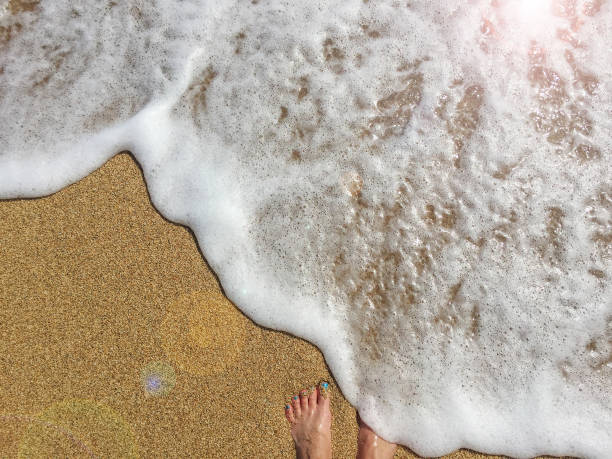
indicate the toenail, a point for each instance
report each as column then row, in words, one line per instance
column 295, row 397
column 287, row 407
column 304, row 393
column 324, row 385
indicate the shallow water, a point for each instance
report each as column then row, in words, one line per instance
column 422, row 189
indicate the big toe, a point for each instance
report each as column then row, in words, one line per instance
column 323, row 393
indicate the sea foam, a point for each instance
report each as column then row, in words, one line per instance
column 420, row 188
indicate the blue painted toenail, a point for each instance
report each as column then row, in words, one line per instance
column 287, row 407
column 295, row 397
column 324, row 385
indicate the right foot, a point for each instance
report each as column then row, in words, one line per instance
column 310, row 419
column 371, row 446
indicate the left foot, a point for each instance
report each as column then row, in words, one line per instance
column 371, row 446
column 310, row 419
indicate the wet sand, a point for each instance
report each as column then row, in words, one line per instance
column 97, row 291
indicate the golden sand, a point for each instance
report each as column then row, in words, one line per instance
column 97, row 293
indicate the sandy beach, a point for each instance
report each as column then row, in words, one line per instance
column 97, row 291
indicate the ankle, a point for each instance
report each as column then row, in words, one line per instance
column 371, row 446
column 317, row 447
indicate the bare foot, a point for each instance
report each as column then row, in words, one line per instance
column 310, row 419
column 371, row 446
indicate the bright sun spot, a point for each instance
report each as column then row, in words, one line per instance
column 532, row 10
column 528, row 19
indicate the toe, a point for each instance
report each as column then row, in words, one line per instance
column 304, row 398
column 312, row 398
column 289, row 413
column 297, row 407
column 323, row 392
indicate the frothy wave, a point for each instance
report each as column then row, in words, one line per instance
column 429, row 181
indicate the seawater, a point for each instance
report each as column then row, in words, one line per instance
column 420, row 188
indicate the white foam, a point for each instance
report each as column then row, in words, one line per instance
column 429, row 180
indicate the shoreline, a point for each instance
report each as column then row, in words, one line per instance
column 98, row 288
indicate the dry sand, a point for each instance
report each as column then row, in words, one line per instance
column 95, row 287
